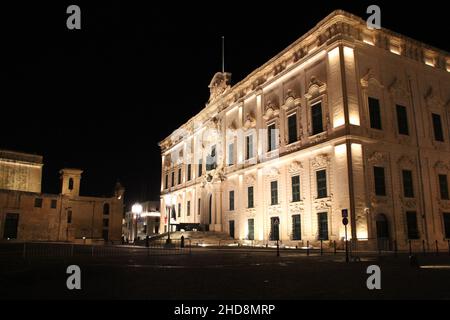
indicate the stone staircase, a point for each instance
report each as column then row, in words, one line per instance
column 200, row 238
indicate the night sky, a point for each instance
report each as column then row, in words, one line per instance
column 101, row 98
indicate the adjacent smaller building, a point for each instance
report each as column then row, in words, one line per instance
column 146, row 223
column 27, row 214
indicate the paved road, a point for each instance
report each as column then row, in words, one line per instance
column 225, row 274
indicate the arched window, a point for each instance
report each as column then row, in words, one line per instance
column 71, row 184
column 106, row 209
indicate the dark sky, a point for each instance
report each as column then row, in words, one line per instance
column 101, row 98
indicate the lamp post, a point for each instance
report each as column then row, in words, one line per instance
column 169, row 201
column 136, row 209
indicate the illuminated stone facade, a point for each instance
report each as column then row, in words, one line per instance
column 26, row 214
column 20, row 171
column 344, row 118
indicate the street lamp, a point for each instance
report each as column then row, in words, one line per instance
column 136, row 209
column 170, row 202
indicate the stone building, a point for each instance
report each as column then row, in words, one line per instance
column 147, row 223
column 344, row 118
column 28, row 214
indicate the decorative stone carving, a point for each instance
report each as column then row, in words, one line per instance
column 370, row 79
column 315, row 88
column 250, row 179
column 322, row 204
column 377, row 157
column 409, row 203
column 320, row 161
column 220, row 84
column 271, row 172
column 250, row 121
column 271, row 110
column 295, row 167
column 432, row 99
column 398, row 89
column 405, row 162
column 296, row 207
column 441, row 166
column 444, row 204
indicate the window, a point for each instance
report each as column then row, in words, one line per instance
column 38, row 203
column 179, row 176
column 375, row 113
column 173, row 178
column 189, row 172
column 105, row 223
column 250, row 200
column 179, row 210
column 231, row 154
column 211, row 159
column 249, row 147
column 53, row 203
column 105, row 234
column 251, row 229
column 408, row 187
column 231, row 201
column 295, row 188
column 274, row 193
column 380, row 185
column 402, row 120
column 188, row 208
column 321, row 179
column 199, row 210
column 69, row 216
column 106, row 209
column 447, row 225
column 292, row 128
column 296, row 227
column 271, row 137
column 166, row 182
column 200, row 167
column 274, row 229
column 437, row 127
column 316, row 119
column 411, row 222
column 323, row 225
column 443, row 187
column 70, row 184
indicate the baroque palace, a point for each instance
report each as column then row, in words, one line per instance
column 344, row 118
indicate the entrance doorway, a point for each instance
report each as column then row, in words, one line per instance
column 382, row 232
column 274, row 229
column 210, row 209
column 11, row 225
column 231, row 228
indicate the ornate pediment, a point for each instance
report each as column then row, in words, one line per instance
column 250, row 121
column 315, row 88
column 320, row 161
column 441, row 166
column 250, row 179
column 406, row 162
column 271, row 172
column 432, row 99
column 377, row 157
column 232, row 126
column 398, row 89
column 271, row 110
column 323, row 204
column 369, row 79
column 295, row 167
column 220, row 84
column 168, row 161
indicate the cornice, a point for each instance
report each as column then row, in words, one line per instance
column 337, row 26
